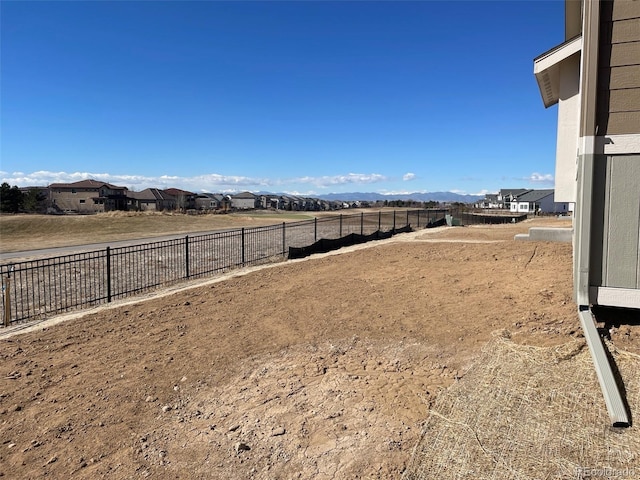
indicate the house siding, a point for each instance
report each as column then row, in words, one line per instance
column 80, row 200
column 618, row 109
column 568, row 127
column 616, row 256
column 148, row 206
column 243, row 201
column 88, row 196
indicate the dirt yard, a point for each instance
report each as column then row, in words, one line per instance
column 323, row 368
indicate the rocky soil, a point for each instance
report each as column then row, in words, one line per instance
column 323, row 368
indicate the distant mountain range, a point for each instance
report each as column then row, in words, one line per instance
column 417, row 196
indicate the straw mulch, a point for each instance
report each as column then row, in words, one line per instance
column 524, row 412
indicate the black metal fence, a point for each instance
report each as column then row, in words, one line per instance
column 38, row 288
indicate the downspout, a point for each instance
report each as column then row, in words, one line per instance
column 616, row 406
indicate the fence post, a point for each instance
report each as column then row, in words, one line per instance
column 379, row 219
column 6, row 290
column 109, row 274
column 361, row 223
column 407, row 218
column 419, row 218
column 284, row 239
column 186, row 255
column 394, row 220
column 243, row 257
column 340, row 235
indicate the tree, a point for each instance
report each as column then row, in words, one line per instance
column 11, row 199
column 34, row 200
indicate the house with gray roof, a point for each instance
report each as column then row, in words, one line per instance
column 508, row 195
column 207, row 202
column 244, row 201
column 538, row 201
column 151, row 199
column 212, row 202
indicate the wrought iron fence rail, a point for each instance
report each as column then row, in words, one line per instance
column 42, row 287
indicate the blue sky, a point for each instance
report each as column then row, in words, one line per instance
column 299, row 97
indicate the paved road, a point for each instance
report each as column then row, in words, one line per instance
column 54, row 252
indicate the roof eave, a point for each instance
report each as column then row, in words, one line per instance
column 546, row 68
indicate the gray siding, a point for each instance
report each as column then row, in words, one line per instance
column 617, row 208
column 618, row 109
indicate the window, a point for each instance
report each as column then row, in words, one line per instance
column 82, row 201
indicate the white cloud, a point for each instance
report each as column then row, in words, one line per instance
column 137, row 182
column 297, row 193
column 408, row 176
column 350, row 178
column 205, row 183
column 396, row 192
column 535, row 177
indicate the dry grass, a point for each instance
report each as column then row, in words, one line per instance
column 27, row 232
column 526, row 413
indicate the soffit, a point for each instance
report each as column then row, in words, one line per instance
column 546, row 68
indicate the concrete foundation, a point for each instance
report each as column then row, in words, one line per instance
column 546, row 234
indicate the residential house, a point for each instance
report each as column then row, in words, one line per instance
column 151, row 199
column 274, row 202
column 490, row 200
column 538, row 201
column 310, row 204
column 206, row 202
column 507, row 195
column 594, row 78
column 211, row 202
column 326, row 205
column 291, row 202
column 87, row 196
column 185, row 200
column 244, row 201
column 224, row 201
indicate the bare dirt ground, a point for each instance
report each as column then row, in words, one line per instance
column 323, row 368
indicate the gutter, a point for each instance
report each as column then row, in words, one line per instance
column 616, row 406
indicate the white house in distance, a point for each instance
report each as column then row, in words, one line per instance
column 508, row 195
column 538, row 201
column 522, row 200
column 594, row 78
